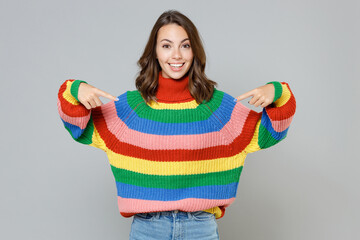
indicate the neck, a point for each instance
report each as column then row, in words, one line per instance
column 173, row 90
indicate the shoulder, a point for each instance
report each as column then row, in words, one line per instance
column 219, row 94
column 225, row 106
column 128, row 101
column 221, row 98
column 129, row 97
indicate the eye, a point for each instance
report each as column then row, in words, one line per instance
column 166, row 46
column 186, row 45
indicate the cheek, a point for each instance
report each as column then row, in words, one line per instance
column 159, row 53
column 162, row 56
column 189, row 56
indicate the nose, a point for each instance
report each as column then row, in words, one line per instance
column 177, row 54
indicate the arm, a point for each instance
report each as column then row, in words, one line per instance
column 275, row 119
column 77, row 119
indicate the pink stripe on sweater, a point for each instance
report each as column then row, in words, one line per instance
column 131, row 205
column 81, row 122
column 281, row 125
column 150, row 141
column 237, row 120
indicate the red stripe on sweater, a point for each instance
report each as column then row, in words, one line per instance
column 177, row 155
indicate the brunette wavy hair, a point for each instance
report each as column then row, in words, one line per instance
column 200, row 87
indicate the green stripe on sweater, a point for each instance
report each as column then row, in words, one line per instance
column 176, row 181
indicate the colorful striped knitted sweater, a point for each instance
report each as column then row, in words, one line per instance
column 180, row 155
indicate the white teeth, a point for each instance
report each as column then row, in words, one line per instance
column 176, row 65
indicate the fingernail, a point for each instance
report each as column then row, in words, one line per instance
column 117, row 99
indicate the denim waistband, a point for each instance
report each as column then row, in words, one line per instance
column 174, row 213
column 165, row 213
column 171, row 213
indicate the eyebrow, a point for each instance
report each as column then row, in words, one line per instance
column 172, row 41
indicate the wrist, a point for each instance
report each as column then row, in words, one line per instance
column 75, row 88
column 278, row 90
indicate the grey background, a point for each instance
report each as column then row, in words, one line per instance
column 306, row 187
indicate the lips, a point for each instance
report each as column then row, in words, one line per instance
column 176, row 66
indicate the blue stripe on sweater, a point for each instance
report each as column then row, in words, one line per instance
column 211, row 124
column 160, row 194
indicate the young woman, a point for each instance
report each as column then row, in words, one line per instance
column 176, row 145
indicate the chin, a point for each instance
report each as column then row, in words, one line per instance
column 176, row 75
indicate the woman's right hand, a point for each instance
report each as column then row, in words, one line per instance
column 89, row 96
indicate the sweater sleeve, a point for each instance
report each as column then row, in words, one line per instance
column 77, row 119
column 275, row 119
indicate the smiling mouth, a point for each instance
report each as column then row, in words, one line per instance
column 176, row 65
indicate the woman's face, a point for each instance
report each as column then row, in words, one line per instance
column 173, row 51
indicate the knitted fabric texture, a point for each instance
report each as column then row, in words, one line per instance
column 180, row 155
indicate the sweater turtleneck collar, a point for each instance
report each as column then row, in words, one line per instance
column 173, row 90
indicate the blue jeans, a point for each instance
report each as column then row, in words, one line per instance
column 174, row 225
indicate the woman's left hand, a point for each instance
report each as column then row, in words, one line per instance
column 262, row 96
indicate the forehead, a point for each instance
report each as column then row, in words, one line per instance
column 172, row 32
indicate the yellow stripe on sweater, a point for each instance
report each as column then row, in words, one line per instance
column 67, row 94
column 285, row 96
column 175, row 168
column 185, row 105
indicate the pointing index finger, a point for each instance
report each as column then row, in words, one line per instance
column 245, row 95
column 107, row 95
